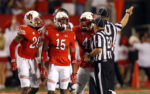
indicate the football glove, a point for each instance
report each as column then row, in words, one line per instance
column 74, row 77
column 13, row 64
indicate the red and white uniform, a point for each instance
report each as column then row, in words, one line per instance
column 27, row 67
column 59, row 67
column 86, row 69
column 29, row 46
column 82, row 38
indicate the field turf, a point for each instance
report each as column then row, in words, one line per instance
column 44, row 91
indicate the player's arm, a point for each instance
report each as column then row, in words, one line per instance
column 95, row 52
column 45, row 48
column 37, row 53
column 73, row 60
column 12, row 49
column 43, row 70
column 44, row 51
column 87, row 56
column 125, row 19
column 13, row 45
column 44, row 56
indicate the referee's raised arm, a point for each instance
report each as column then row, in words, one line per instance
column 125, row 19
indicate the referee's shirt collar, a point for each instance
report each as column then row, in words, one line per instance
column 100, row 31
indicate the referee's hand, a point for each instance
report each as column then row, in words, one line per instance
column 130, row 10
column 86, row 58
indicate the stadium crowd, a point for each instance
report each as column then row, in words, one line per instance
column 128, row 49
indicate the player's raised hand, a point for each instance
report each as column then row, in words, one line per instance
column 13, row 64
column 130, row 10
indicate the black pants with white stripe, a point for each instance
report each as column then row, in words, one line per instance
column 104, row 75
column 92, row 86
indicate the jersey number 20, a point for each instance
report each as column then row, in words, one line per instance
column 35, row 43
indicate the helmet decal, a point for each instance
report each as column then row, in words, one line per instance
column 29, row 16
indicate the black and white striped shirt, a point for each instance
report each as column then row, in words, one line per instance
column 105, row 40
column 111, row 32
column 99, row 41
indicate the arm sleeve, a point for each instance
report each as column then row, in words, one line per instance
column 44, row 50
column 72, row 46
column 72, row 43
column 44, row 54
column 21, row 31
column 12, row 48
column 97, row 41
column 118, row 26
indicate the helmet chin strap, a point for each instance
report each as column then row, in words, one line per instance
column 36, row 28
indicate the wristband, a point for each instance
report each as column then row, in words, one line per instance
column 128, row 13
column 74, row 73
column 13, row 60
column 74, row 62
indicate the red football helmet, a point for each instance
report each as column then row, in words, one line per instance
column 86, row 21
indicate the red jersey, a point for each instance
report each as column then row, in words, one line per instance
column 29, row 45
column 82, row 38
column 59, row 43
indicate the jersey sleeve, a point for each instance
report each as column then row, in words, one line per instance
column 97, row 39
column 118, row 26
column 21, row 31
column 45, row 43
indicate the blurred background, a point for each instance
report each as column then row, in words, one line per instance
column 12, row 13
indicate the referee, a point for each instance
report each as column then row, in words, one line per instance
column 100, row 56
column 111, row 31
column 104, row 61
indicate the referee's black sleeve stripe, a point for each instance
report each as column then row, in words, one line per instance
column 98, row 41
column 111, row 28
column 107, row 28
column 93, row 42
column 118, row 26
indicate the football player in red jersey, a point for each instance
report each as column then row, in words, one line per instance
column 83, row 32
column 57, row 41
column 23, row 58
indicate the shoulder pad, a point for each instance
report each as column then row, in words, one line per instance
column 21, row 30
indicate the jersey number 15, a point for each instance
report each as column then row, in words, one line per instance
column 60, row 44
